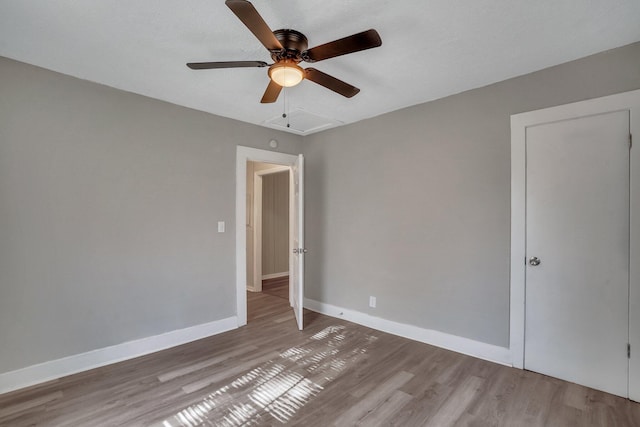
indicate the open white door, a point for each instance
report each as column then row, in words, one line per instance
column 297, row 233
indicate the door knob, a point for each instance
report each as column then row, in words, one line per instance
column 534, row 260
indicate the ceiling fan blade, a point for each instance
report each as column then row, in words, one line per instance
column 354, row 43
column 225, row 64
column 330, row 82
column 250, row 17
column 272, row 92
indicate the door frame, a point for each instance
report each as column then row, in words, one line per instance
column 519, row 122
column 243, row 155
column 257, row 222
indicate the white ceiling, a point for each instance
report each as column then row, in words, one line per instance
column 430, row 48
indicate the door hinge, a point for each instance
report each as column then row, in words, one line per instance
column 630, row 141
column 628, row 351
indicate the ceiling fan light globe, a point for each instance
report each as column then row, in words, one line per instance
column 286, row 74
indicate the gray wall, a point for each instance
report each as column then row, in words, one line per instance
column 109, row 203
column 275, row 223
column 413, row 207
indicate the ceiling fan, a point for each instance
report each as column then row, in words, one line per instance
column 288, row 48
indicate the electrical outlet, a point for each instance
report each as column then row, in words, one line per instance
column 372, row 302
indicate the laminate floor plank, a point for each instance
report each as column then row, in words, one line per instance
column 232, row 369
column 373, row 399
column 269, row 373
column 29, row 405
column 204, row 364
column 385, row 412
column 456, row 405
column 491, row 409
column 278, row 287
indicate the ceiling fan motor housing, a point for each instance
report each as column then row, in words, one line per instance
column 293, row 42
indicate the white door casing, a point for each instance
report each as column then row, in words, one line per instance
column 629, row 102
column 298, row 252
column 244, row 154
column 577, row 282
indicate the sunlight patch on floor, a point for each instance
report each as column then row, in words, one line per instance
column 277, row 389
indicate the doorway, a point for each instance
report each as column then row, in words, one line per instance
column 268, row 227
column 575, row 236
column 268, row 224
column 252, row 277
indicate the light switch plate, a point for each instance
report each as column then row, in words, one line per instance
column 220, row 226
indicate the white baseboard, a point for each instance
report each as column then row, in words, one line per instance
column 275, row 275
column 51, row 370
column 492, row 353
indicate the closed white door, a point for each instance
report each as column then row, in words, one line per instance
column 577, row 250
column 298, row 251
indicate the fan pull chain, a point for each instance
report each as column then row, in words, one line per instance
column 284, row 107
column 284, row 103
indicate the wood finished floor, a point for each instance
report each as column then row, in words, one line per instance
column 278, row 287
column 334, row 373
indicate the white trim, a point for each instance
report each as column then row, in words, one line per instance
column 292, row 228
column 275, row 275
column 53, row 369
column 518, row 203
column 275, row 169
column 519, row 123
column 256, row 281
column 455, row 343
column 296, row 260
column 243, row 155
